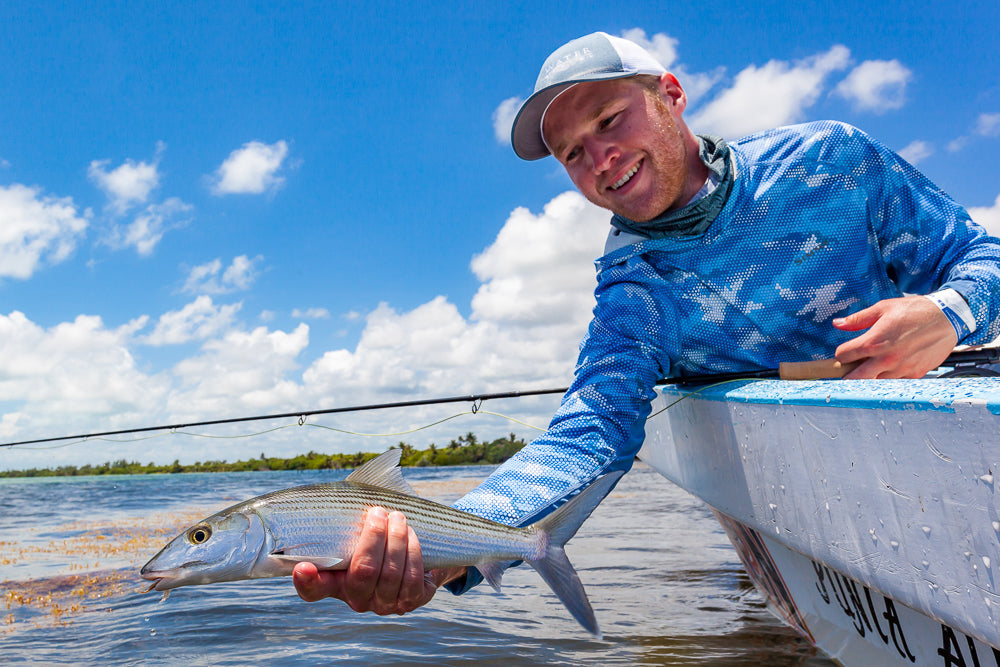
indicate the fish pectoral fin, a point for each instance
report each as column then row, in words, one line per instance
column 493, row 572
column 321, row 562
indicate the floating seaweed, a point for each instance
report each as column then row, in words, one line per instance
column 90, row 566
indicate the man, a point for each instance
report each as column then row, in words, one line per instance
column 780, row 247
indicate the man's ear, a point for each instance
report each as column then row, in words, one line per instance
column 672, row 92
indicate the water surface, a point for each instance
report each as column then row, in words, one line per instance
column 664, row 582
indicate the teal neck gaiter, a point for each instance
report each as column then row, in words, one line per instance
column 693, row 219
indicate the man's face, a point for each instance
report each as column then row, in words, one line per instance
column 625, row 148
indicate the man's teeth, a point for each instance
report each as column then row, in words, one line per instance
column 625, row 179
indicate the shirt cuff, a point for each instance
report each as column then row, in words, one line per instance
column 464, row 584
column 956, row 309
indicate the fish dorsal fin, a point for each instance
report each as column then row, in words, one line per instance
column 383, row 471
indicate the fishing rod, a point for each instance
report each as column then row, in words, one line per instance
column 473, row 398
column 964, row 362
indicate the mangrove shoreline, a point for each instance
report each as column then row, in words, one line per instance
column 466, row 450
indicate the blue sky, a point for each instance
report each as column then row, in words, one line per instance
column 212, row 210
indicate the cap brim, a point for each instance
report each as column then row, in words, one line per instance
column 526, row 133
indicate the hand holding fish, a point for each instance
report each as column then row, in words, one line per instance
column 386, row 574
column 337, row 540
column 905, row 338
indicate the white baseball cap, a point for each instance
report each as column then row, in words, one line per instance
column 595, row 57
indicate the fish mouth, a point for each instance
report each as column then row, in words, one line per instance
column 163, row 580
column 157, row 578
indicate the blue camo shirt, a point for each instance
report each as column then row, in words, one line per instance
column 822, row 221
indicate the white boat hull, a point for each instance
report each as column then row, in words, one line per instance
column 865, row 510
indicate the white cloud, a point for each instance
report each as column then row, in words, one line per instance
column 540, row 268
column 128, row 184
column 35, row 228
column 764, row 97
column 240, row 371
column 988, row 124
column 661, row 46
column 876, row 85
column 529, row 314
column 503, row 118
column 149, row 226
column 70, row 372
column 311, row 314
column 916, row 151
column 251, row 169
column 958, row 144
column 988, row 216
column 206, row 278
column 525, row 322
column 664, row 48
column 199, row 320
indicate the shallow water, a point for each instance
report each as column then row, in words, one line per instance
column 665, row 584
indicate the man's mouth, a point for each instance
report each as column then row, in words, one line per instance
column 626, row 178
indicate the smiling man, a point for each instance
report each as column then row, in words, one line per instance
column 721, row 257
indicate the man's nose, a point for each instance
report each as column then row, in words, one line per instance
column 602, row 154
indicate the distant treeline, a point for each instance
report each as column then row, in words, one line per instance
column 466, row 450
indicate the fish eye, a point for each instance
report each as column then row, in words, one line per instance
column 199, row 534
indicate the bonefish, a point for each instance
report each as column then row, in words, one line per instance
column 268, row 535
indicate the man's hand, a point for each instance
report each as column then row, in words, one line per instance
column 906, row 337
column 386, row 574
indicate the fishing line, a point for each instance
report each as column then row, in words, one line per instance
column 692, row 393
column 284, row 426
column 176, row 430
column 965, row 362
column 474, row 398
column 301, row 422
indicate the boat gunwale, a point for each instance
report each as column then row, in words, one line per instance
column 932, row 394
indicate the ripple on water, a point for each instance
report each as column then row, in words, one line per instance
column 666, row 588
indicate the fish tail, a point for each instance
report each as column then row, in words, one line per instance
column 554, row 567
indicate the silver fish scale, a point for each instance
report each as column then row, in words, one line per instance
column 326, row 519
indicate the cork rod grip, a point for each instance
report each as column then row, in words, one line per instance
column 815, row 370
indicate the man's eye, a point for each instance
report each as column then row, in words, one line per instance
column 606, row 122
column 572, row 154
